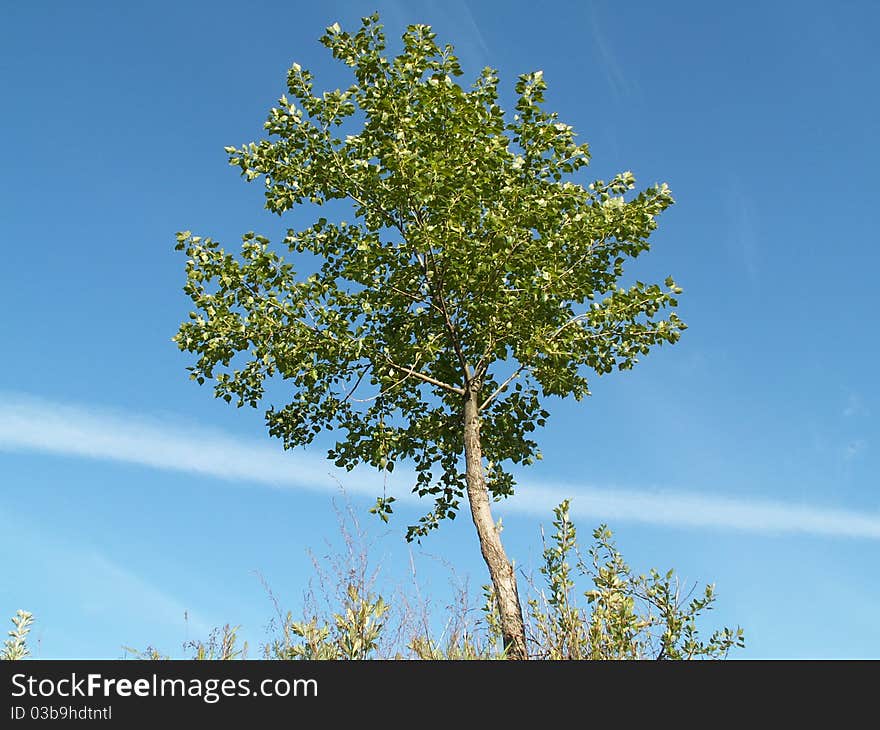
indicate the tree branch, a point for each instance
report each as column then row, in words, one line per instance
column 385, row 390
column 413, row 297
column 501, row 388
column 589, row 335
column 426, row 378
column 355, row 387
column 437, row 292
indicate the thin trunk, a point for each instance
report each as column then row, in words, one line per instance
column 500, row 569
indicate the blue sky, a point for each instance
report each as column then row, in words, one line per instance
column 746, row 455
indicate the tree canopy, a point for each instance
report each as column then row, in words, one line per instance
column 474, row 258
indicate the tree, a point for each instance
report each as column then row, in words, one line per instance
column 477, row 278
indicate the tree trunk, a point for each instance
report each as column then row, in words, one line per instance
column 500, row 569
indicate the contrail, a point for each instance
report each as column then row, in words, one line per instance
column 32, row 424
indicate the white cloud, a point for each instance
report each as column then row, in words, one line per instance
column 682, row 509
column 29, row 424
column 32, row 424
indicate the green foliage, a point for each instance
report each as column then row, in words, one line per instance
column 354, row 633
column 222, row 644
column 464, row 640
column 151, row 653
column 476, row 261
column 463, row 647
column 627, row 616
column 617, row 615
column 15, row 647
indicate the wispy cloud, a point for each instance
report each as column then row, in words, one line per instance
column 743, row 226
column 469, row 41
column 115, row 587
column 91, row 585
column 476, row 41
column 31, row 424
column 617, row 80
column 682, row 509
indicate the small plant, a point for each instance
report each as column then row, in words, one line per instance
column 345, row 618
column 151, row 653
column 15, row 647
column 354, row 633
column 627, row 616
column 222, row 644
column 465, row 639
